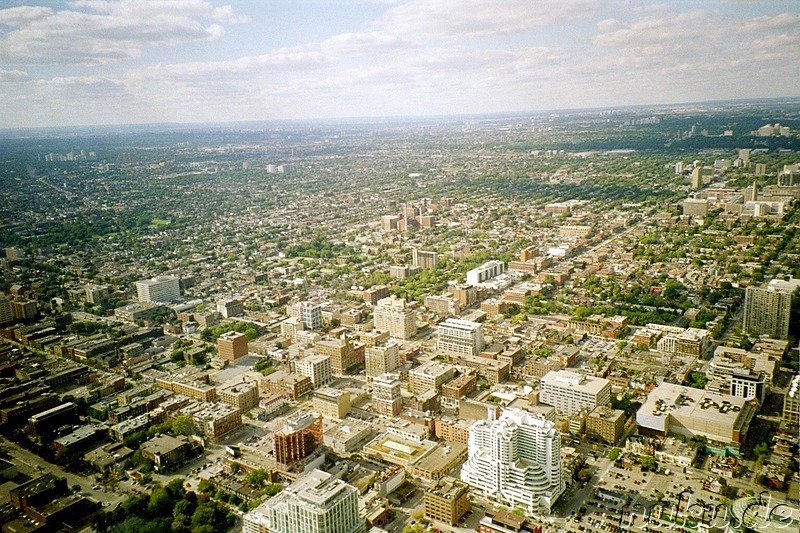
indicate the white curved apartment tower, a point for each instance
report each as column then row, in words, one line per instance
column 516, row 460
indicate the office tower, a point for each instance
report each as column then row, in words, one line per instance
column 767, row 309
column 569, row 391
column 298, row 438
column 460, row 337
column 515, row 460
column 317, row 367
column 394, row 315
column 423, row 259
column 381, row 359
column 316, row 503
column 232, row 345
column 159, row 289
column 310, row 313
column 386, row 396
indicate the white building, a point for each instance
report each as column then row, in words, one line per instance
column 310, row 313
column 460, row 337
column 315, row 503
column 159, row 289
column 516, row 460
column 569, row 391
column 230, row 307
column 486, row 271
column 316, row 366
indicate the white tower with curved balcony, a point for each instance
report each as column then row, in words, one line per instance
column 516, row 460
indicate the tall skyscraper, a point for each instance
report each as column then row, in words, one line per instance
column 394, row 315
column 767, row 309
column 516, row 460
column 315, row 503
column 460, row 337
column 163, row 289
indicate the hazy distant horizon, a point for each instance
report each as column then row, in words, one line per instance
column 127, row 62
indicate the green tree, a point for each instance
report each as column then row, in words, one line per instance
column 614, row 453
column 183, row 425
column 257, row 478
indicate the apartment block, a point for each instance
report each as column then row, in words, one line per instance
column 430, row 376
column 395, row 316
column 459, row 337
column 569, row 392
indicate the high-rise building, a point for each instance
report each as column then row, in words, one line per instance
column 460, row 337
column 315, row 503
column 310, row 313
column 516, row 460
column 298, row 438
column 767, row 309
column 423, row 259
column 381, row 359
column 394, row 315
column 317, row 367
column 386, row 396
column 569, row 391
column 486, row 271
column 6, row 315
column 159, row 289
column 232, row 345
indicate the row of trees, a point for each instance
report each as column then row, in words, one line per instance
column 167, row 509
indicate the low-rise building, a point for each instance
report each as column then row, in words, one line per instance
column 332, row 403
column 243, row 396
column 165, row 451
column 447, row 501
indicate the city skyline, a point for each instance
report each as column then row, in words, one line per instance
column 92, row 62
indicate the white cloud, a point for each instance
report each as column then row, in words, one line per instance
column 15, row 16
column 13, row 76
column 479, row 18
column 104, row 32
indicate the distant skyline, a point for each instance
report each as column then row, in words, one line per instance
column 89, row 62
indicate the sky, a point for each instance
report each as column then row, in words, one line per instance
column 91, row 62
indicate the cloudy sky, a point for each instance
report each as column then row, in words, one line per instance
column 142, row 61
